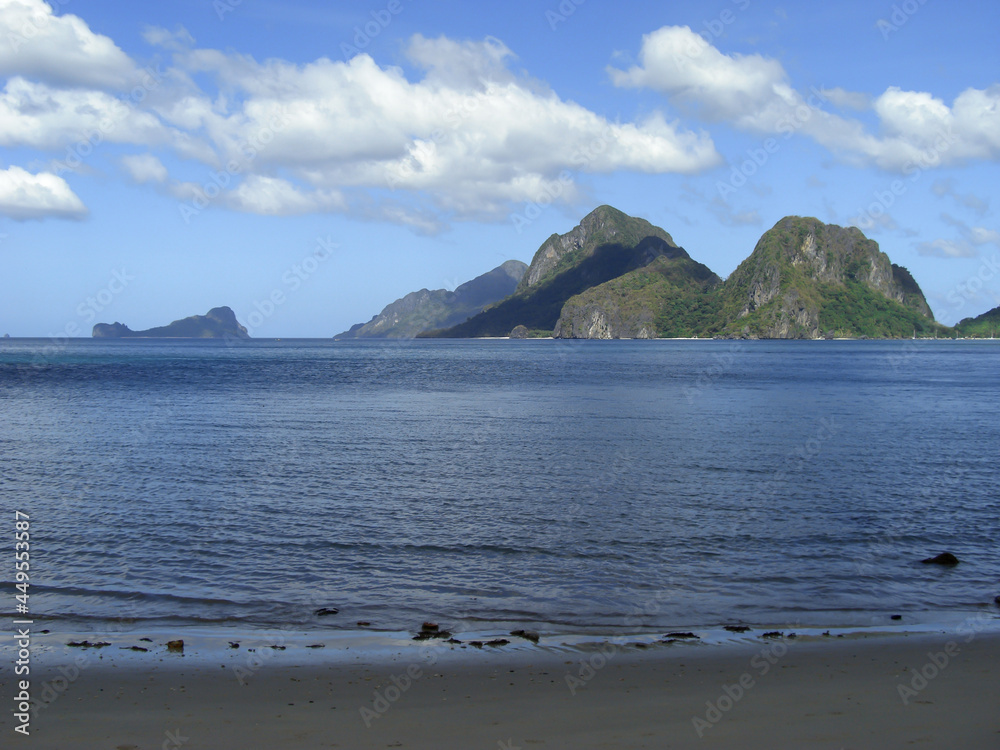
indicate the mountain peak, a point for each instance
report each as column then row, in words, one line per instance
column 605, row 225
column 606, row 244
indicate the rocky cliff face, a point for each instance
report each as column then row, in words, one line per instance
column 439, row 308
column 604, row 320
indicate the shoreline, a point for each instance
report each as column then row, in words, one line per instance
column 132, row 643
column 867, row 691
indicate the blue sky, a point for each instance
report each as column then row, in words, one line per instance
column 307, row 163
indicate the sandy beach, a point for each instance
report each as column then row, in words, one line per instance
column 868, row 691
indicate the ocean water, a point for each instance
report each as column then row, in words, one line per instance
column 567, row 486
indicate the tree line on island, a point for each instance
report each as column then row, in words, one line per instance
column 619, row 277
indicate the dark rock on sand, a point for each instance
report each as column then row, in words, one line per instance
column 431, row 630
column 896, row 617
column 736, row 628
column 682, row 635
column 316, row 645
column 233, row 644
column 145, row 640
column 363, row 624
column 88, row 644
column 476, row 644
column 945, row 558
column 773, row 634
column 175, row 647
column 326, row 611
column 424, row 635
column 498, row 642
column 134, row 648
column 529, row 635
column 996, row 601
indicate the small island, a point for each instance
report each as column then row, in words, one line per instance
column 218, row 323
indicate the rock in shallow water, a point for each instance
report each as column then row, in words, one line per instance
column 529, row 635
column 945, row 558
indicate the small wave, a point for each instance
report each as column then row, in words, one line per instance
column 113, row 594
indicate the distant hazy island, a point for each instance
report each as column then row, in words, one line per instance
column 439, row 308
column 615, row 277
column 218, row 323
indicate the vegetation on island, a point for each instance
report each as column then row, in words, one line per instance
column 985, row 326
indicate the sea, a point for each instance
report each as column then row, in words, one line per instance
column 563, row 486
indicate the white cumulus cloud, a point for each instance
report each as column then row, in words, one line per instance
column 751, row 92
column 61, row 50
column 468, row 138
column 39, row 116
column 36, row 196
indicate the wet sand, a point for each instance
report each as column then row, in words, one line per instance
column 815, row 693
